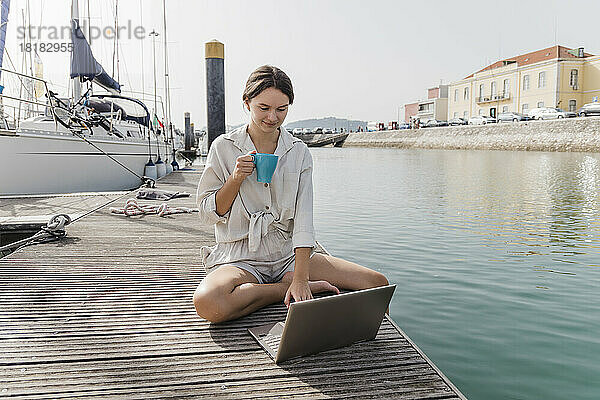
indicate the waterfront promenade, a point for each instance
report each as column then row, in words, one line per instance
column 573, row 134
column 107, row 312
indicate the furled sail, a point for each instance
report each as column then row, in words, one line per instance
column 4, row 20
column 83, row 63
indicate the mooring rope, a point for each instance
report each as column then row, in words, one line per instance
column 54, row 229
column 132, row 208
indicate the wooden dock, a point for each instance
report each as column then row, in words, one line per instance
column 107, row 312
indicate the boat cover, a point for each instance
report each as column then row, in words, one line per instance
column 83, row 63
column 133, row 109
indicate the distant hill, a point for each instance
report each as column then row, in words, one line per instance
column 327, row 122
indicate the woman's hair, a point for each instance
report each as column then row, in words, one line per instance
column 265, row 77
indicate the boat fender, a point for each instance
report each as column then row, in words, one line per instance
column 150, row 170
column 161, row 168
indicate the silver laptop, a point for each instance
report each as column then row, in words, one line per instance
column 325, row 323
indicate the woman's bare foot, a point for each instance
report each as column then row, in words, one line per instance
column 315, row 286
column 322, row 286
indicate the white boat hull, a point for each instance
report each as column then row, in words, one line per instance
column 58, row 162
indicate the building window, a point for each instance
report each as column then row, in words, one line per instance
column 455, row 95
column 574, row 78
column 524, row 108
column 540, row 104
column 525, row 82
column 542, row 80
column 481, row 90
column 505, row 109
column 493, row 90
column 573, row 105
column 506, row 87
column 427, row 107
column 465, row 115
column 455, row 114
column 466, row 94
column 480, row 111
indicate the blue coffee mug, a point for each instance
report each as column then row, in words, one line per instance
column 265, row 166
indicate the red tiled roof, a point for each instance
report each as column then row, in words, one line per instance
column 549, row 53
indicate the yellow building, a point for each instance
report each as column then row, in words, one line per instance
column 553, row 77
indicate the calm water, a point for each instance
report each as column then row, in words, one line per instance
column 496, row 256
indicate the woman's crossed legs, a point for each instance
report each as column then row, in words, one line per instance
column 229, row 292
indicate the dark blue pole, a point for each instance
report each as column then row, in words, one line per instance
column 215, row 89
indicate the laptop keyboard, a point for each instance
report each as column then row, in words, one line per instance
column 272, row 341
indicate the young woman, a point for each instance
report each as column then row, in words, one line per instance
column 264, row 231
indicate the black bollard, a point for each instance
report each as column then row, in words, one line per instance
column 215, row 89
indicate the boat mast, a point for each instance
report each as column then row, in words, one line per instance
column 167, row 88
column 167, row 94
column 154, row 34
column 4, row 21
column 30, row 44
column 116, row 42
column 142, row 58
column 88, row 84
column 76, row 81
column 23, row 69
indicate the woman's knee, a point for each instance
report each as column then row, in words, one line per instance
column 207, row 304
column 378, row 279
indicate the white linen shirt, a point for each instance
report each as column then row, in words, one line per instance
column 284, row 205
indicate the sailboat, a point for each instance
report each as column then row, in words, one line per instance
column 91, row 142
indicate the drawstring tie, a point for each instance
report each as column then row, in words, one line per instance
column 259, row 226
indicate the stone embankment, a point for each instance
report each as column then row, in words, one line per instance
column 573, row 134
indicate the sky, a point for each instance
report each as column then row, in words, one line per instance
column 346, row 58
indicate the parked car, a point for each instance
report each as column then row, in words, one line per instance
column 512, row 117
column 307, row 130
column 458, row 121
column 404, row 125
column 555, row 113
column 589, row 109
column 297, row 131
column 327, row 130
column 319, row 130
column 431, row 123
column 534, row 112
column 481, row 120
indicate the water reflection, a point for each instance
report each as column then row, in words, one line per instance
column 527, row 199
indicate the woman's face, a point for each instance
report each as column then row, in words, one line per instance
column 269, row 109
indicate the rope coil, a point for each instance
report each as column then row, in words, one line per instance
column 132, row 208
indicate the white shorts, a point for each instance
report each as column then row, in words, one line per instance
column 271, row 273
column 264, row 271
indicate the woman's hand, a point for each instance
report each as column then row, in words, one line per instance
column 298, row 290
column 243, row 167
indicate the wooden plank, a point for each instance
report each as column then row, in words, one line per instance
column 360, row 385
column 222, row 368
